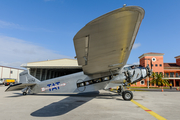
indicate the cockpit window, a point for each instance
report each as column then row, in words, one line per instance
column 127, row 68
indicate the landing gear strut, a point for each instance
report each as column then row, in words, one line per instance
column 126, row 94
column 25, row 90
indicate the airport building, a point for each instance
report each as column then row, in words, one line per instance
column 10, row 72
column 171, row 71
column 44, row 70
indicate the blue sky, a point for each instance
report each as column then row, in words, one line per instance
column 35, row 30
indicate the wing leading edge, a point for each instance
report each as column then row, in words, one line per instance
column 105, row 43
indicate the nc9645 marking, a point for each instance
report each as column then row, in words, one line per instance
column 53, row 86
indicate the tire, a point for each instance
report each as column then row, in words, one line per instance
column 127, row 95
column 24, row 93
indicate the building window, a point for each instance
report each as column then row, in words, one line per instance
column 161, row 73
column 142, row 82
column 156, row 65
column 171, row 74
column 167, row 74
column 160, row 65
column 153, row 59
column 177, row 75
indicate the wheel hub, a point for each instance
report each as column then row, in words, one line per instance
column 127, row 95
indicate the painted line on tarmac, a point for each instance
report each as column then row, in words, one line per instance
column 149, row 111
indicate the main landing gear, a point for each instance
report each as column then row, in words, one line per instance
column 126, row 94
column 24, row 93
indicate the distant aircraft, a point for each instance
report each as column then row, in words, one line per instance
column 102, row 48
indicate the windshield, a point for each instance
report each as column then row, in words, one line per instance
column 127, row 68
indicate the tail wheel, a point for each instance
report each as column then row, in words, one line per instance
column 24, row 93
column 127, row 95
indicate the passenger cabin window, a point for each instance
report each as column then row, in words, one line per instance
column 94, row 81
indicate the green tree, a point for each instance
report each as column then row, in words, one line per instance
column 158, row 79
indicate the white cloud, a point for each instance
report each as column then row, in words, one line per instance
column 9, row 25
column 136, row 63
column 4, row 24
column 136, row 45
column 14, row 52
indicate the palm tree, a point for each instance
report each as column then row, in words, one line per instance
column 158, row 80
column 153, row 78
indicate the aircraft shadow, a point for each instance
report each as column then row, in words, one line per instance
column 16, row 95
column 66, row 105
column 87, row 94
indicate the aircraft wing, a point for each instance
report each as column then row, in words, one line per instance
column 105, row 43
column 19, row 86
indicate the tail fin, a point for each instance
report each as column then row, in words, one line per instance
column 25, row 77
column 26, row 81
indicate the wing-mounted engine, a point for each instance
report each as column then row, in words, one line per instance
column 137, row 74
column 129, row 75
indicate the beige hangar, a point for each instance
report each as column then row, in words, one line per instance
column 44, row 70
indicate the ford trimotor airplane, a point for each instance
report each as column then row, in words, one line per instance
column 102, row 49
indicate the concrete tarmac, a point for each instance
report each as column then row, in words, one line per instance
column 101, row 105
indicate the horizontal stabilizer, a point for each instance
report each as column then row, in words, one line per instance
column 19, row 86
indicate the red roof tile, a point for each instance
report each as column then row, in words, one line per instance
column 170, row 65
column 177, row 57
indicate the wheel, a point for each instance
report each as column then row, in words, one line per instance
column 24, row 93
column 127, row 95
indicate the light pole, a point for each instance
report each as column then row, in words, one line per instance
column 151, row 68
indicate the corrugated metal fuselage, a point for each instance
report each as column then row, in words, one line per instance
column 67, row 84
